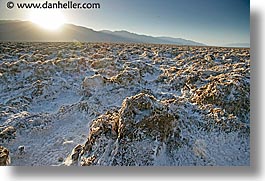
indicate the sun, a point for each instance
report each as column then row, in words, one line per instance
column 48, row 19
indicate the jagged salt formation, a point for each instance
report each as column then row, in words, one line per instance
column 133, row 135
column 145, row 131
column 4, row 156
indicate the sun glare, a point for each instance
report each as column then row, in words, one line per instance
column 48, row 19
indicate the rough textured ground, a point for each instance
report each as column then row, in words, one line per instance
column 124, row 104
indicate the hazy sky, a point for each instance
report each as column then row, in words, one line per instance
column 213, row 22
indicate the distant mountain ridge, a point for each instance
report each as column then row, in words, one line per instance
column 151, row 39
column 181, row 41
column 13, row 30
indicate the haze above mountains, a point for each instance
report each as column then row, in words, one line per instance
column 11, row 30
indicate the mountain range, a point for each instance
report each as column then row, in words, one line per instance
column 13, row 30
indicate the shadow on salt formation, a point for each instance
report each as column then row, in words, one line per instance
column 53, row 106
column 114, row 172
column 255, row 91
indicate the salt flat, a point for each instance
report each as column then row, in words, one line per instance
column 124, row 104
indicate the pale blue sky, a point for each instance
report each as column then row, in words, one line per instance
column 213, row 22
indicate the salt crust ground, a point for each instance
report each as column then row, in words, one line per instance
column 52, row 93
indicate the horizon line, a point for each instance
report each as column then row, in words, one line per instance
column 228, row 45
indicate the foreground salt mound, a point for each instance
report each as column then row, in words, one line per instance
column 133, row 135
column 146, row 131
